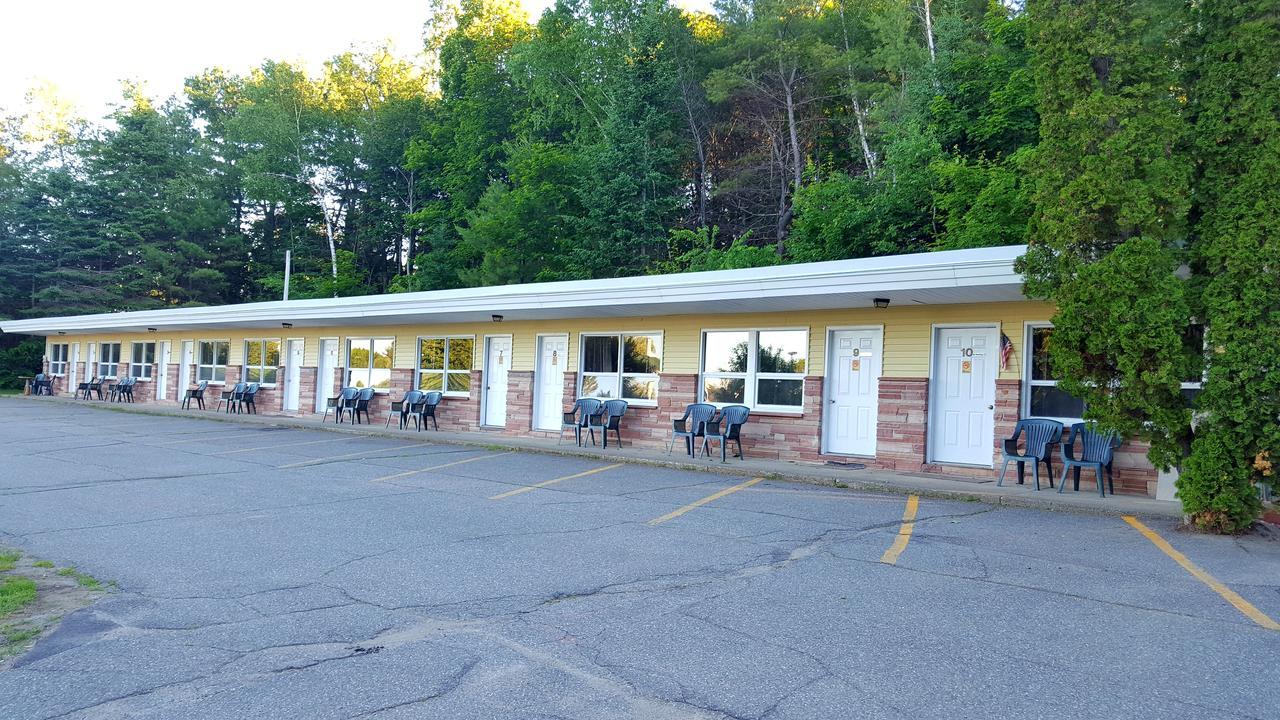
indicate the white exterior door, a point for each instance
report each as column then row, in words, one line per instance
column 184, row 370
column 962, row 410
column 324, row 372
column 90, row 361
column 73, row 372
column 552, row 354
column 293, row 376
column 853, row 391
column 497, row 362
column 162, row 382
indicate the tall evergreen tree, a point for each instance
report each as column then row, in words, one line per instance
column 1112, row 195
column 1236, row 100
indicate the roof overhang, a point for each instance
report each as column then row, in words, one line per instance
column 938, row 278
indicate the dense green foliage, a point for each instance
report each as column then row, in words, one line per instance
column 1237, row 253
column 19, row 360
column 609, row 137
column 1155, row 213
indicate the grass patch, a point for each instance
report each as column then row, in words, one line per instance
column 42, row 564
column 15, row 593
column 86, row 581
column 9, row 560
column 18, row 634
column 839, row 484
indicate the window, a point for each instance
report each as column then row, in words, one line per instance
column 261, row 361
column 444, row 364
column 144, row 355
column 109, row 360
column 58, row 359
column 761, row 369
column 1042, row 398
column 369, row 362
column 211, row 361
column 1194, row 341
column 624, row 365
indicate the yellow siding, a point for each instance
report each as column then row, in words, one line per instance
column 906, row 334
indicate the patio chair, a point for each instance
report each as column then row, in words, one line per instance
column 577, row 418
column 231, row 397
column 691, row 425
column 726, row 429
column 196, row 393
column 1038, row 438
column 127, row 388
column 344, row 403
column 362, row 405
column 82, row 389
column 115, row 390
column 427, row 409
column 608, row 418
column 94, row 387
column 401, row 407
column 248, row 399
column 42, row 385
column 1097, row 450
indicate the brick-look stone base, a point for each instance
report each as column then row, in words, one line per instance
column 902, row 422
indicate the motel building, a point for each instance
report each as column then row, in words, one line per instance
column 892, row 362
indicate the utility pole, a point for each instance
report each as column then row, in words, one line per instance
column 288, row 270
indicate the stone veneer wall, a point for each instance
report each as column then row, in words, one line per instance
column 902, row 429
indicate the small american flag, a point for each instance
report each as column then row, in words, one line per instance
column 1006, row 351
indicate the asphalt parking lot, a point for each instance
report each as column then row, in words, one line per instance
column 291, row 573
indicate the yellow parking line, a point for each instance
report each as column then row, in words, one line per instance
column 1239, row 603
column 284, row 445
column 437, row 467
column 699, row 503
column 545, row 483
column 362, row 453
column 890, row 556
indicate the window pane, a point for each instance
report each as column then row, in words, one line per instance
column 725, row 390
column 220, row 374
column 431, row 355
column 642, row 354
column 380, row 377
column 149, row 353
column 726, row 352
column 206, row 354
column 384, row 355
column 639, row 388
column 1049, row 401
column 1040, row 369
column 221, row 351
column 272, row 356
column 359, row 355
column 253, row 374
column 780, row 392
column 600, row 354
column 602, row 386
column 429, row 381
column 460, row 355
column 783, row 351
column 269, row 375
column 460, row 382
column 253, row 353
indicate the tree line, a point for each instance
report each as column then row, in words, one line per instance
column 608, row 138
column 1134, row 145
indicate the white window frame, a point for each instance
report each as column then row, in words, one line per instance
column 349, row 372
column 1198, row 384
column 58, row 366
column 622, row 376
column 141, row 370
column 1028, row 343
column 262, row 367
column 419, row 371
column 104, row 363
column 215, row 366
column 752, row 376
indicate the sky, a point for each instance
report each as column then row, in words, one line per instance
column 84, row 48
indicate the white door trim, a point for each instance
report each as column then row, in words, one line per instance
column 930, row 425
column 826, row 384
column 290, row 386
column 324, row 385
column 537, row 374
column 484, row 390
column 162, row 382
